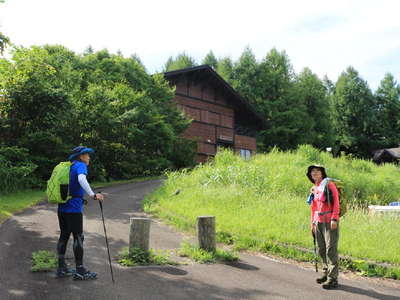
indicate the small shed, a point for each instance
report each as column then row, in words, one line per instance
column 389, row 155
column 221, row 116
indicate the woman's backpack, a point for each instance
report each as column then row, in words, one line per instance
column 58, row 185
column 342, row 199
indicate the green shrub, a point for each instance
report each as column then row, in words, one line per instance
column 16, row 171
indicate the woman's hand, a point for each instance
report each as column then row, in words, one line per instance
column 99, row 197
column 333, row 225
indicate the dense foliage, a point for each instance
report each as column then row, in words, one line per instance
column 53, row 99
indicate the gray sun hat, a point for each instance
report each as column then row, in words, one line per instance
column 322, row 168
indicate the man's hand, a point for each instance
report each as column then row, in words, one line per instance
column 333, row 225
column 99, row 197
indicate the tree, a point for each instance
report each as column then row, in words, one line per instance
column 311, row 92
column 388, row 112
column 353, row 111
column 136, row 58
column 225, row 68
column 245, row 75
column 53, row 99
column 329, row 85
column 271, row 86
column 210, row 60
column 278, row 101
column 37, row 86
column 181, row 61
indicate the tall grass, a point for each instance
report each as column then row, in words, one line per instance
column 263, row 200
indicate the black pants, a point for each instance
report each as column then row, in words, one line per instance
column 70, row 223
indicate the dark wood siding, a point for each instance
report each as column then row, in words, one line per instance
column 213, row 114
column 245, row 142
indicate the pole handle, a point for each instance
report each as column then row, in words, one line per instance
column 100, row 202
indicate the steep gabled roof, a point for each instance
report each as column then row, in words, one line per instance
column 207, row 72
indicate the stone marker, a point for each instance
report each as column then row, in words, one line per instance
column 139, row 235
column 206, row 232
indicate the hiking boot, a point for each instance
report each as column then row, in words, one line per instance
column 84, row 274
column 330, row 284
column 64, row 271
column 321, row 279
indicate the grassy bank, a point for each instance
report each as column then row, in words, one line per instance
column 260, row 204
column 17, row 201
column 14, row 202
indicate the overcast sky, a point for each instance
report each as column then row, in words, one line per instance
column 326, row 36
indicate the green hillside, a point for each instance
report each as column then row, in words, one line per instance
column 261, row 203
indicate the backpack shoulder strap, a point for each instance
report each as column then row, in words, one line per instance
column 328, row 192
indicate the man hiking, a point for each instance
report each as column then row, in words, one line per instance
column 70, row 216
column 325, row 211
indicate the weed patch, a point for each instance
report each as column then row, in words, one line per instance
column 138, row 257
column 203, row 256
column 43, row 261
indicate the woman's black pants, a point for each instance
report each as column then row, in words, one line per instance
column 70, row 223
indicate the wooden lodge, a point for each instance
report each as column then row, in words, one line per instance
column 221, row 117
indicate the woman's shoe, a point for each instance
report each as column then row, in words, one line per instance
column 321, row 279
column 330, row 284
column 83, row 274
column 64, row 271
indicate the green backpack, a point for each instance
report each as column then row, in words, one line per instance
column 342, row 199
column 58, row 184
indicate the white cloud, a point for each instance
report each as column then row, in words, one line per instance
column 326, row 36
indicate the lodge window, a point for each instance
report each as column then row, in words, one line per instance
column 246, row 131
column 224, row 144
column 245, row 153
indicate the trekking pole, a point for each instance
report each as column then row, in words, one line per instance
column 105, row 235
column 315, row 252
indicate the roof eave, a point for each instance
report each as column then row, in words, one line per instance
column 241, row 99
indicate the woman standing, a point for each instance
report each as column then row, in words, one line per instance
column 325, row 210
column 70, row 217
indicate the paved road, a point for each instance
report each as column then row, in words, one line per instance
column 254, row 277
